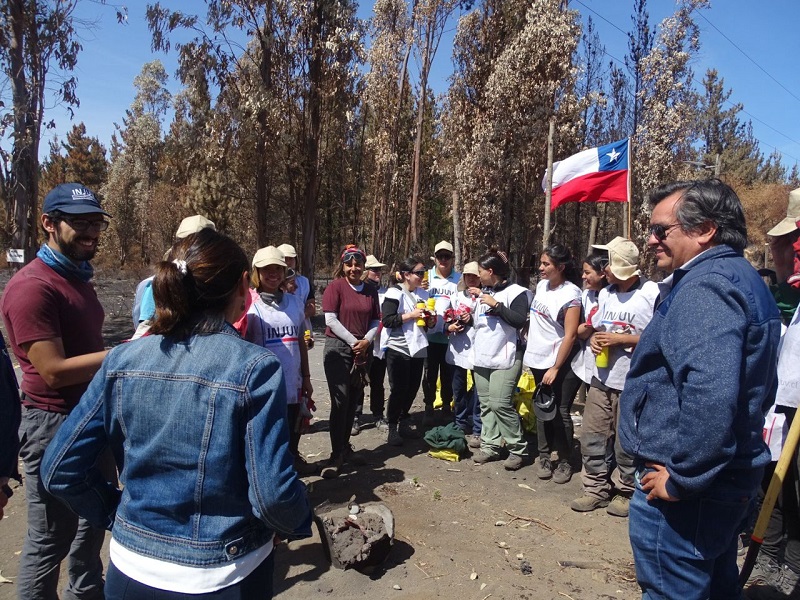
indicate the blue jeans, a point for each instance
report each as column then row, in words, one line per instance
column 256, row 586
column 468, row 410
column 687, row 549
column 54, row 531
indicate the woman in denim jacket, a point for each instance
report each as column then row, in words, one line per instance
column 201, row 443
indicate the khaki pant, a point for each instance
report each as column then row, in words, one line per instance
column 500, row 420
column 600, row 447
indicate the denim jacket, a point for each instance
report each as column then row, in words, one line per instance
column 198, row 429
column 703, row 375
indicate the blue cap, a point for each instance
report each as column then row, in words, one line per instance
column 72, row 199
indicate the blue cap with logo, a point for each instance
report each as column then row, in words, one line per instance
column 72, row 199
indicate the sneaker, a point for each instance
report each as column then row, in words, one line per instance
column 481, row 457
column 562, row 473
column 393, row 435
column 620, row 506
column 428, row 418
column 543, row 468
column 764, row 572
column 783, row 585
column 331, row 470
column 356, row 429
column 303, row 467
column 474, row 441
column 513, row 462
column 381, row 425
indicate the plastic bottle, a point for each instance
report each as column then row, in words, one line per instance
column 421, row 320
column 601, row 360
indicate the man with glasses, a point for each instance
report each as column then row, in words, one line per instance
column 442, row 284
column 54, row 322
column 692, row 410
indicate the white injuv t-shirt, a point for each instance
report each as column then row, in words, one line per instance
column 788, row 360
column 495, row 344
column 583, row 363
column 280, row 329
column 546, row 329
column 459, row 347
column 623, row 312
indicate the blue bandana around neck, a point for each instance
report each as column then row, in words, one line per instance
column 64, row 266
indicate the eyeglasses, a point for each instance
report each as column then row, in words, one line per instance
column 418, row 273
column 81, row 225
column 661, row 231
column 444, row 256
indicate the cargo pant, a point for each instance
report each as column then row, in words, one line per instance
column 600, row 447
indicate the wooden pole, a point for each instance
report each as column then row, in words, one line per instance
column 548, row 193
column 457, row 233
column 592, row 234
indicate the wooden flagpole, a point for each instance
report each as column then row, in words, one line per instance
column 548, row 192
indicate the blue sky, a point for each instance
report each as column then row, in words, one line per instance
column 113, row 55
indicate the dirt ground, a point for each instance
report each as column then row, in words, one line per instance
column 462, row 530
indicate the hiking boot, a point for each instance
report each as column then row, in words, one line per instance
column 620, row 506
column 474, row 441
column 356, row 429
column 428, row 418
column 481, row 457
column 562, row 473
column 447, row 415
column 513, row 462
column 332, row 469
column 543, row 468
column 393, row 435
column 303, row 467
column 764, row 572
column 587, row 503
column 407, row 430
column 381, row 425
column 783, row 586
column 354, row 458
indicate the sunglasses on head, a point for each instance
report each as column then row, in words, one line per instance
column 661, row 231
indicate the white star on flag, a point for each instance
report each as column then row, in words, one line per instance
column 614, row 155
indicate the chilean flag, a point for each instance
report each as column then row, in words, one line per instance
column 594, row 175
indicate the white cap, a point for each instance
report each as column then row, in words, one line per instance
column 372, row 263
column 288, row 250
column 623, row 257
column 269, row 255
column 792, row 220
column 443, row 245
column 192, row 225
column 471, row 268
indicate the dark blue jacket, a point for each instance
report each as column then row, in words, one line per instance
column 703, row 375
column 10, row 412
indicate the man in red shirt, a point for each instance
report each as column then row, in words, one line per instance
column 54, row 322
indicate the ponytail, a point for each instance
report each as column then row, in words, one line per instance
column 193, row 287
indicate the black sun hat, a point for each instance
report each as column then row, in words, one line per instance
column 544, row 403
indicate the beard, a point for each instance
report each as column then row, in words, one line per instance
column 73, row 249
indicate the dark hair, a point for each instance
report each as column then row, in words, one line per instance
column 562, row 257
column 597, row 261
column 56, row 216
column 191, row 298
column 703, row 201
column 406, row 266
column 497, row 261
